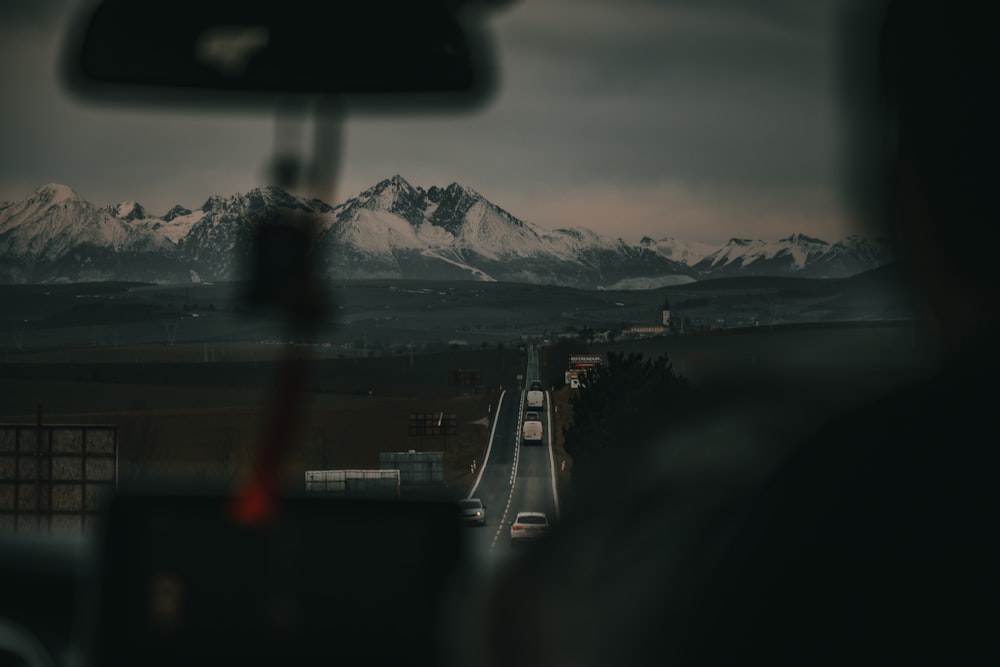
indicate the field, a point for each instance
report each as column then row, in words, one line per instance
column 199, row 423
column 188, row 377
column 387, row 318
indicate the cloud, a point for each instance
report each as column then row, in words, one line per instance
column 648, row 105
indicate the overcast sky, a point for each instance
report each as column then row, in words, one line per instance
column 700, row 121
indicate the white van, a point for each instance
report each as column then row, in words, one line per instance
column 536, row 396
column 532, row 430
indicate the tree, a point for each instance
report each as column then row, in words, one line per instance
column 625, row 401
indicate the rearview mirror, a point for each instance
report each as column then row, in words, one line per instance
column 388, row 51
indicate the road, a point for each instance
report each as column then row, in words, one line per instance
column 514, row 477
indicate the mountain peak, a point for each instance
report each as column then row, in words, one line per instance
column 802, row 238
column 128, row 211
column 272, row 195
column 212, row 202
column 385, row 190
column 175, row 212
column 395, row 183
column 53, row 193
column 464, row 189
column 394, row 195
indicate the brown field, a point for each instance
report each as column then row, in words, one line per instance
column 200, row 423
column 215, row 447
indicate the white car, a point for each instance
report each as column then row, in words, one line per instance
column 528, row 526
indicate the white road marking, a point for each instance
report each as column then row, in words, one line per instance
column 489, row 446
column 513, row 473
column 552, row 462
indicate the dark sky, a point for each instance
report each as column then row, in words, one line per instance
column 694, row 120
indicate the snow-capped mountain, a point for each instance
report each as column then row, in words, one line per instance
column 798, row 254
column 686, row 252
column 56, row 234
column 396, row 230
column 391, row 230
column 218, row 237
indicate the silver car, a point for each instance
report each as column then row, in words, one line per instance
column 473, row 511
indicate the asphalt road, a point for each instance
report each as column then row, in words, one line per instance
column 514, row 477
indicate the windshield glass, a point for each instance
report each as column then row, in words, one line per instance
column 660, row 217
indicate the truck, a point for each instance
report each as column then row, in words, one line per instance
column 536, row 395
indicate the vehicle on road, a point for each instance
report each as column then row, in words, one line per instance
column 532, row 432
column 528, row 526
column 536, row 395
column 473, row 511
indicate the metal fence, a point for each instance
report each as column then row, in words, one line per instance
column 56, row 478
column 353, row 483
column 414, row 467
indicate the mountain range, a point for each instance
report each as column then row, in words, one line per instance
column 391, row 230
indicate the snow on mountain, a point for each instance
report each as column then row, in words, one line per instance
column 745, row 256
column 55, row 234
column 648, row 283
column 480, row 226
column 220, row 234
column 390, row 230
column 128, row 211
column 397, row 230
column 175, row 227
column 849, row 256
column 472, row 271
column 55, row 219
column 686, row 252
column 377, row 232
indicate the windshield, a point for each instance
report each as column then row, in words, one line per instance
column 660, row 219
